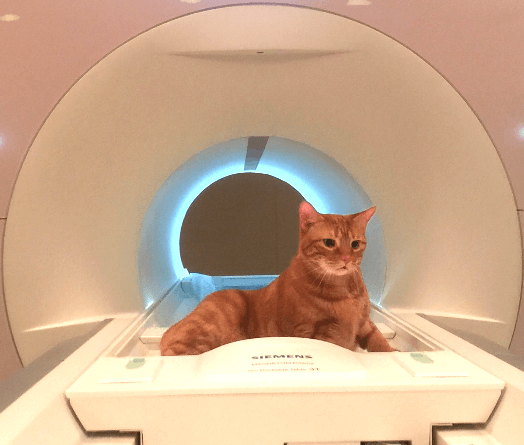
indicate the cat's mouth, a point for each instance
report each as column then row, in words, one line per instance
column 337, row 269
column 348, row 267
column 344, row 269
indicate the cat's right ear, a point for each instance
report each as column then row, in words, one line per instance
column 308, row 215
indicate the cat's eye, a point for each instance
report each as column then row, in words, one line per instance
column 355, row 244
column 328, row 242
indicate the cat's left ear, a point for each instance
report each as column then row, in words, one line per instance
column 363, row 218
column 308, row 215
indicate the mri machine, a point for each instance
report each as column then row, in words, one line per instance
column 348, row 117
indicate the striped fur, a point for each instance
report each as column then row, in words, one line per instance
column 321, row 295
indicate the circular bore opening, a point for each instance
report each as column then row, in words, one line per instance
column 244, row 224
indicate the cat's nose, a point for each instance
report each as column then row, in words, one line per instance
column 346, row 258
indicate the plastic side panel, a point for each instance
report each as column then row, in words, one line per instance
column 280, row 418
column 504, row 425
column 463, row 437
column 42, row 414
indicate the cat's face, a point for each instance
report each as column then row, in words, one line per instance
column 333, row 244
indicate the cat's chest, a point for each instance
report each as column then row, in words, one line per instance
column 347, row 309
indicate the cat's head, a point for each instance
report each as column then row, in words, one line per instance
column 334, row 244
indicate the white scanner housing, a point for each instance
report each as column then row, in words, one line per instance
column 353, row 118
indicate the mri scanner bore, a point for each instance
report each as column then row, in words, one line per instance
column 264, row 160
column 301, row 170
column 363, row 101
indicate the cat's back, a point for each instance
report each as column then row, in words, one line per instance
column 232, row 303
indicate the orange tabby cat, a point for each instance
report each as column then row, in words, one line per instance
column 321, row 295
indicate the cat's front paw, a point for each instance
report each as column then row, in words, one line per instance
column 169, row 352
column 182, row 349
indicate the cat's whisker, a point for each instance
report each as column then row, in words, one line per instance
column 319, row 277
column 315, row 269
column 326, row 271
column 320, row 266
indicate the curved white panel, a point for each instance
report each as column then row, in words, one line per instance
column 382, row 113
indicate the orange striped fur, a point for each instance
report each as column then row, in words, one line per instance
column 321, row 295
